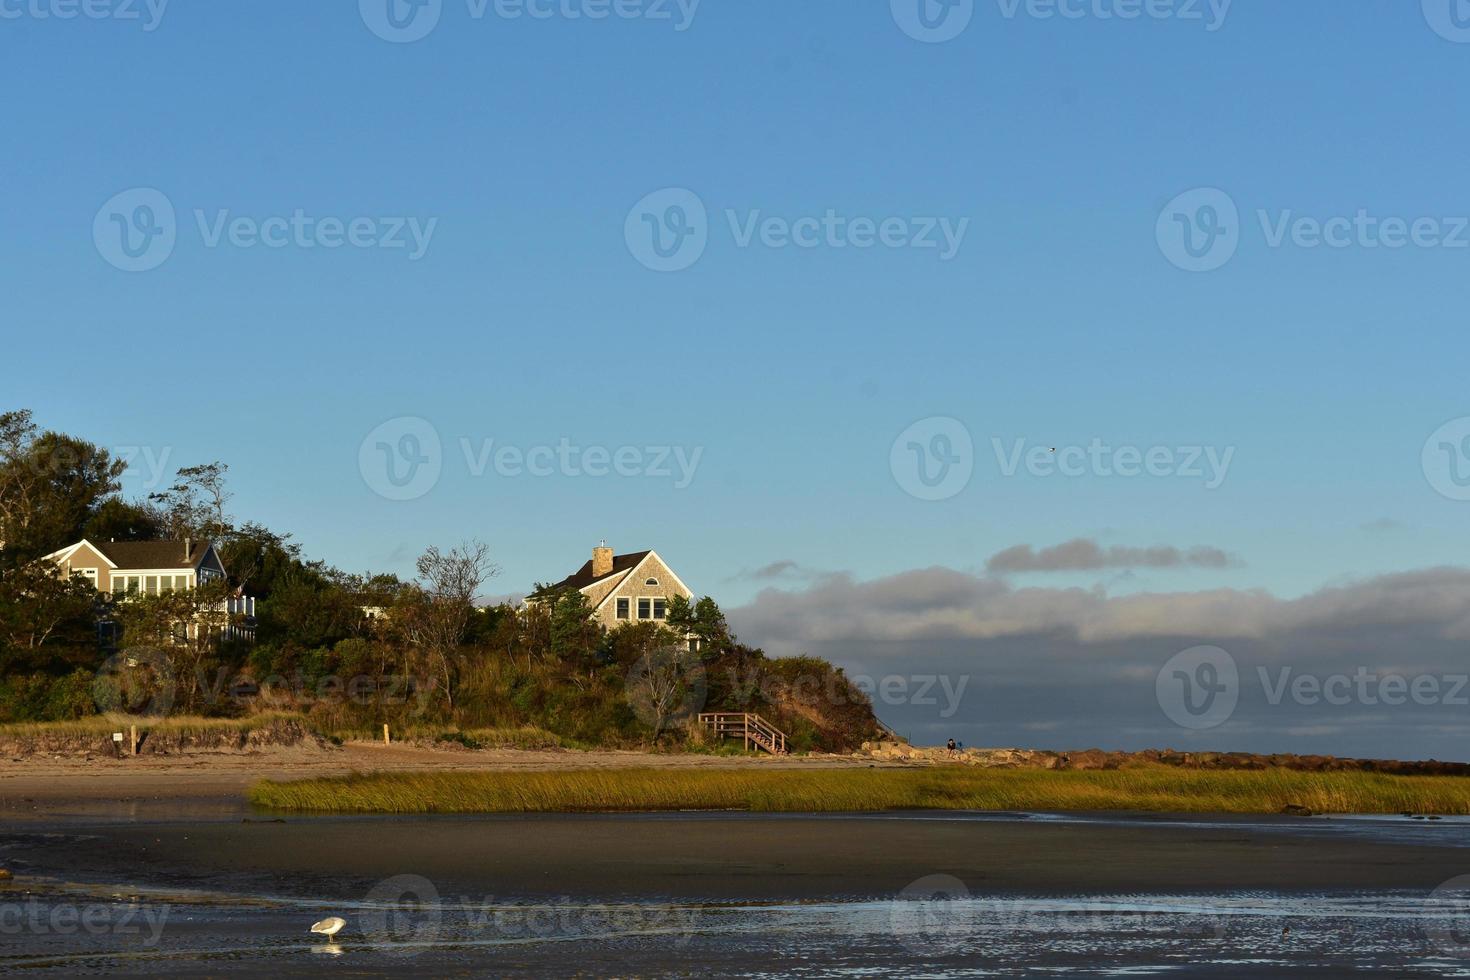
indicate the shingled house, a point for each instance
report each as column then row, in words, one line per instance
column 621, row 588
column 120, row 568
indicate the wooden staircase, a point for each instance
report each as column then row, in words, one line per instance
column 754, row 729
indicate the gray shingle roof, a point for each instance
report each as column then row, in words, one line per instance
column 152, row 554
column 583, row 576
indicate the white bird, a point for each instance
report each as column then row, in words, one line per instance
column 329, row 927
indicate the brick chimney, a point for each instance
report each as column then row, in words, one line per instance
column 602, row 560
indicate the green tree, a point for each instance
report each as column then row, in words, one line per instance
column 116, row 519
column 437, row 611
column 309, row 610
column 704, row 621
column 259, row 561
column 575, row 636
column 194, row 507
column 51, row 486
column 18, row 485
column 38, row 606
column 190, row 624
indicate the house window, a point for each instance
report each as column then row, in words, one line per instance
column 181, row 583
column 150, row 584
column 90, row 574
column 645, row 608
column 622, row 612
column 660, row 608
column 651, row 581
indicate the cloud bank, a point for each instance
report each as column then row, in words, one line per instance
column 1074, row 668
column 1084, row 554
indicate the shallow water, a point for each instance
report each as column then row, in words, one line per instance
column 1235, row 935
column 132, row 922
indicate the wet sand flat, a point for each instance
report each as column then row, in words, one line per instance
column 740, row 857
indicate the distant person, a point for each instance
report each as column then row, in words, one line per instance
column 950, row 746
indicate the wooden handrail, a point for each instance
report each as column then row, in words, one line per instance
column 754, row 729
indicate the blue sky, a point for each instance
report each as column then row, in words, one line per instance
column 529, row 320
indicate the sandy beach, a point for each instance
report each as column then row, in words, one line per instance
column 215, row 782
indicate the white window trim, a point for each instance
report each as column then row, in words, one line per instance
column 652, row 599
column 631, row 576
column 141, row 574
column 629, row 601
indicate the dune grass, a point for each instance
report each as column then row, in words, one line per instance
column 860, row 790
column 524, row 737
column 103, row 725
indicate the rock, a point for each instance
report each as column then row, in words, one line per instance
column 1095, row 759
column 1090, row 759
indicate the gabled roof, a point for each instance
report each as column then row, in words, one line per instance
column 142, row 554
column 153, row 554
column 583, row 576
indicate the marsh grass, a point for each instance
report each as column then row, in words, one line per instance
column 1158, row 789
